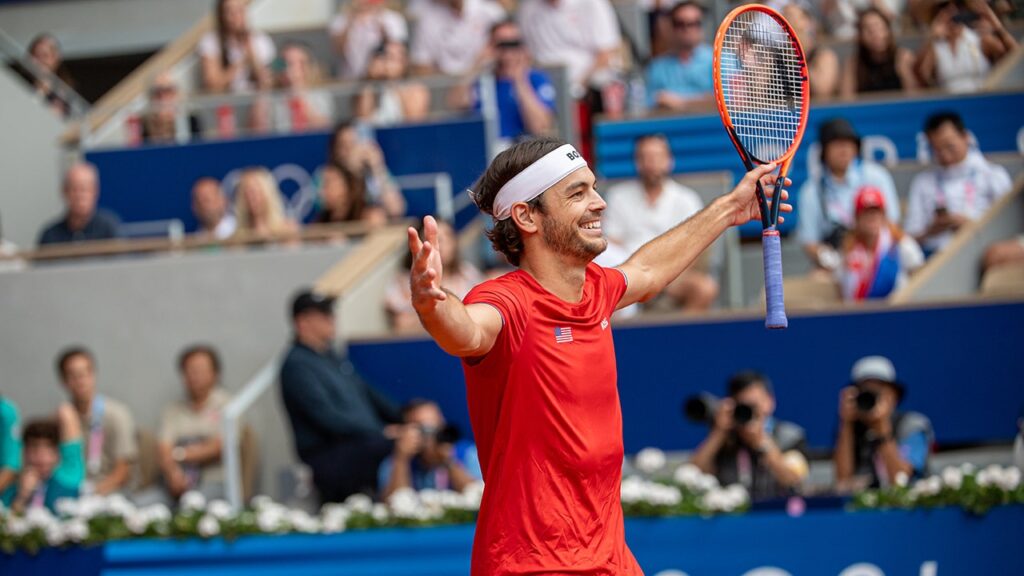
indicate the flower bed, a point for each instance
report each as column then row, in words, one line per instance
column 973, row 490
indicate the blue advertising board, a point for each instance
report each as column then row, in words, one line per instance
column 890, row 129
column 968, row 384
column 155, row 182
column 944, row 542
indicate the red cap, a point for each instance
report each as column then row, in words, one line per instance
column 868, row 197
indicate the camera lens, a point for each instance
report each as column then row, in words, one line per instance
column 700, row 408
column 866, row 401
column 742, row 414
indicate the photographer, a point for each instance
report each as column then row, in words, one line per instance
column 826, row 204
column 965, row 39
column 877, row 443
column 428, row 454
column 747, row 445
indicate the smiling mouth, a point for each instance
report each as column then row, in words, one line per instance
column 595, row 225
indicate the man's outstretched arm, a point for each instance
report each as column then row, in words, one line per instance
column 663, row 259
column 461, row 330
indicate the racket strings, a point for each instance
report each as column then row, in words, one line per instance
column 762, row 78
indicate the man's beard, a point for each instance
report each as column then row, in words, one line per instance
column 566, row 239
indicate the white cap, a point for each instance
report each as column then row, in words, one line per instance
column 873, row 368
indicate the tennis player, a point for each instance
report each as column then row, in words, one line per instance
column 537, row 351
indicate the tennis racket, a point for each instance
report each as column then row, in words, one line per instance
column 762, row 93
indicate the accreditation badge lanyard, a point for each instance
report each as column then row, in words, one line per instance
column 745, row 467
column 95, row 451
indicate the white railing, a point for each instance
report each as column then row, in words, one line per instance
column 231, row 448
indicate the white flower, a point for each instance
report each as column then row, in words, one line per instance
column 404, row 503
column 17, row 527
column 715, row 500
column 706, row 483
column 76, row 530
column 967, row 468
column 157, row 513
column 138, row 522
column 687, row 475
column 473, row 495
column 1010, row 479
column 359, row 504
column 301, row 521
column 67, row 507
column 333, row 523
column 870, row 499
column 991, row 476
column 91, row 506
column 39, row 517
column 269, row 519
column 902, row 479
column 192, row 501
column 661, row 495
column 208, row 526
column 379, row 512
column 737, row 496
column 632, row 490
column 649, row 460
column 261, row 501
column 953, row 478
column 220, row 509
column 118, row 505
column 55, row 535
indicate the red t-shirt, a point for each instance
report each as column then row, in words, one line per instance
column 546, row 417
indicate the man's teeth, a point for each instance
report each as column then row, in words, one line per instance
column 591, row 226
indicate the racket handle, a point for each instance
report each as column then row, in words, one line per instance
column 776, row 309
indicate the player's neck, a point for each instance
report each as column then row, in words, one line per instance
column 563, row 279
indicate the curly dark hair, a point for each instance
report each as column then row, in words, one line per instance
column 504, row 236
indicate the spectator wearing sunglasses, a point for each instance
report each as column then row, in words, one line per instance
column 525, row 96
column 681, row 79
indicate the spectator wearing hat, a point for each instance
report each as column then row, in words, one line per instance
column 877, row 255
column 340, row 424
column 749, row 446
column 877, row 444
column 961, row 187
column 826, row 203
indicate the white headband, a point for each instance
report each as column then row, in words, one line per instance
column 537, row 178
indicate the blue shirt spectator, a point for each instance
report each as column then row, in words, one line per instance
column 683, row 76
column 435, row 478
column 10, row 444
column 53, row 463
column 510, row 116
column 525, row 96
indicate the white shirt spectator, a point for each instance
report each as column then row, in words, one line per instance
column 226, row 227
column 452, row 42
column 631, row 220
column 569, row 33
column 964, row 68
column 262, row 46
column 842, row 18
column 364, row 36
column 968, row 189
column 815, row 224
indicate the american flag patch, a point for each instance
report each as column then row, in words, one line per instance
column 563, row 335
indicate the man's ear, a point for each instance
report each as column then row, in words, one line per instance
column 523, row 217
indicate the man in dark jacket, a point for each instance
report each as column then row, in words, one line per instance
column 343, row 428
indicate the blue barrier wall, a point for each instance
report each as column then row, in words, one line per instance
column 936, row 543
column 155, row 182
column 961, row 366
column 699, row 143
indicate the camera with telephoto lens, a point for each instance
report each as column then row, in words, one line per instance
column 703, row 407
column 866, row 401
column 447, row 434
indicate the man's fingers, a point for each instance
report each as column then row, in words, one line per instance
column 414, row 241
column 430, row 230
column 760, row 171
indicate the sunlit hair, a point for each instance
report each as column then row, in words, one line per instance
column 261, row 178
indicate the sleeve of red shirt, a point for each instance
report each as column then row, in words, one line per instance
column 502, row 295
column 615, row 286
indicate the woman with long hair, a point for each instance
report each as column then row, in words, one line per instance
column 234, row 57
column 343, row 198
column 259, row 207
column 822, row 62
column 878, row 63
